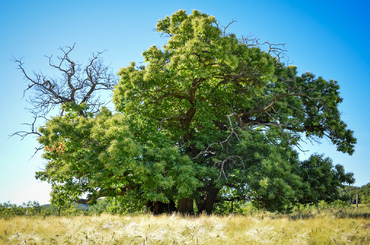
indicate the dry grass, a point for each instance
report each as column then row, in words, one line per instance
column 261, row 228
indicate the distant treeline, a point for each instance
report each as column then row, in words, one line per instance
column 363, row 193
column 8, row 210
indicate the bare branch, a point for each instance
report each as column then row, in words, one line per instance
column 224, row 28
column 33, row 130
column 76, row 83
column 160, row 124
column 231, row 161
column 278, row 50
column 232, row 132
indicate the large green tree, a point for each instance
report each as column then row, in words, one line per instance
column 231, row 107
column 205, row 112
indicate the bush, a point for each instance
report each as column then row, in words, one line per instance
column 239, row 207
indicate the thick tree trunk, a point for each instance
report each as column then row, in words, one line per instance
column 157, row 207
column 185, row 206
column 208, row 201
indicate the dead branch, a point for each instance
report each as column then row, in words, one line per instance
column 229, row 159
column 76, row 83
column 73, row 82
column 276, row 49
column 33, row 130
column 232, row 132
column 224, row 28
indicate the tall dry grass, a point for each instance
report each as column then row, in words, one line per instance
column 328, row 227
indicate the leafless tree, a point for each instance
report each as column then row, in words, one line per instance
column 76, row 83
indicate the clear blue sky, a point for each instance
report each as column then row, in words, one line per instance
column 328, row 38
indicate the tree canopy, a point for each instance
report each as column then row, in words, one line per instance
column 206, row 112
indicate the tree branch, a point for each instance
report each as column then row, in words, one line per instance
column 76, row 83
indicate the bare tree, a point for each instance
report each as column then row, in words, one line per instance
column 76, row 83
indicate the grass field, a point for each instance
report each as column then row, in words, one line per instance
column 309, row 227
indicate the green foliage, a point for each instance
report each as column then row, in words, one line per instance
column 337, row 204
column 99, row 207
column 86, row 152
column 363, row 193
column 235, row 207
column 323, row 180
column 30, row 209
column 8, row 210
column 130, row 203
column 207, row 117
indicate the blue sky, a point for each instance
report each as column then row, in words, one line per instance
column 327, row 38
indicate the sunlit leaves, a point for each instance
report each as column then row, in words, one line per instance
column 101, row 153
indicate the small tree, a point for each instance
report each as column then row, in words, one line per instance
column 323, row 180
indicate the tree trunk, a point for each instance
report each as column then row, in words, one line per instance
column 185, row 206
column 157, row 207
column 209, row 200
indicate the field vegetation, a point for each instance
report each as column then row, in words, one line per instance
column 332, row 224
